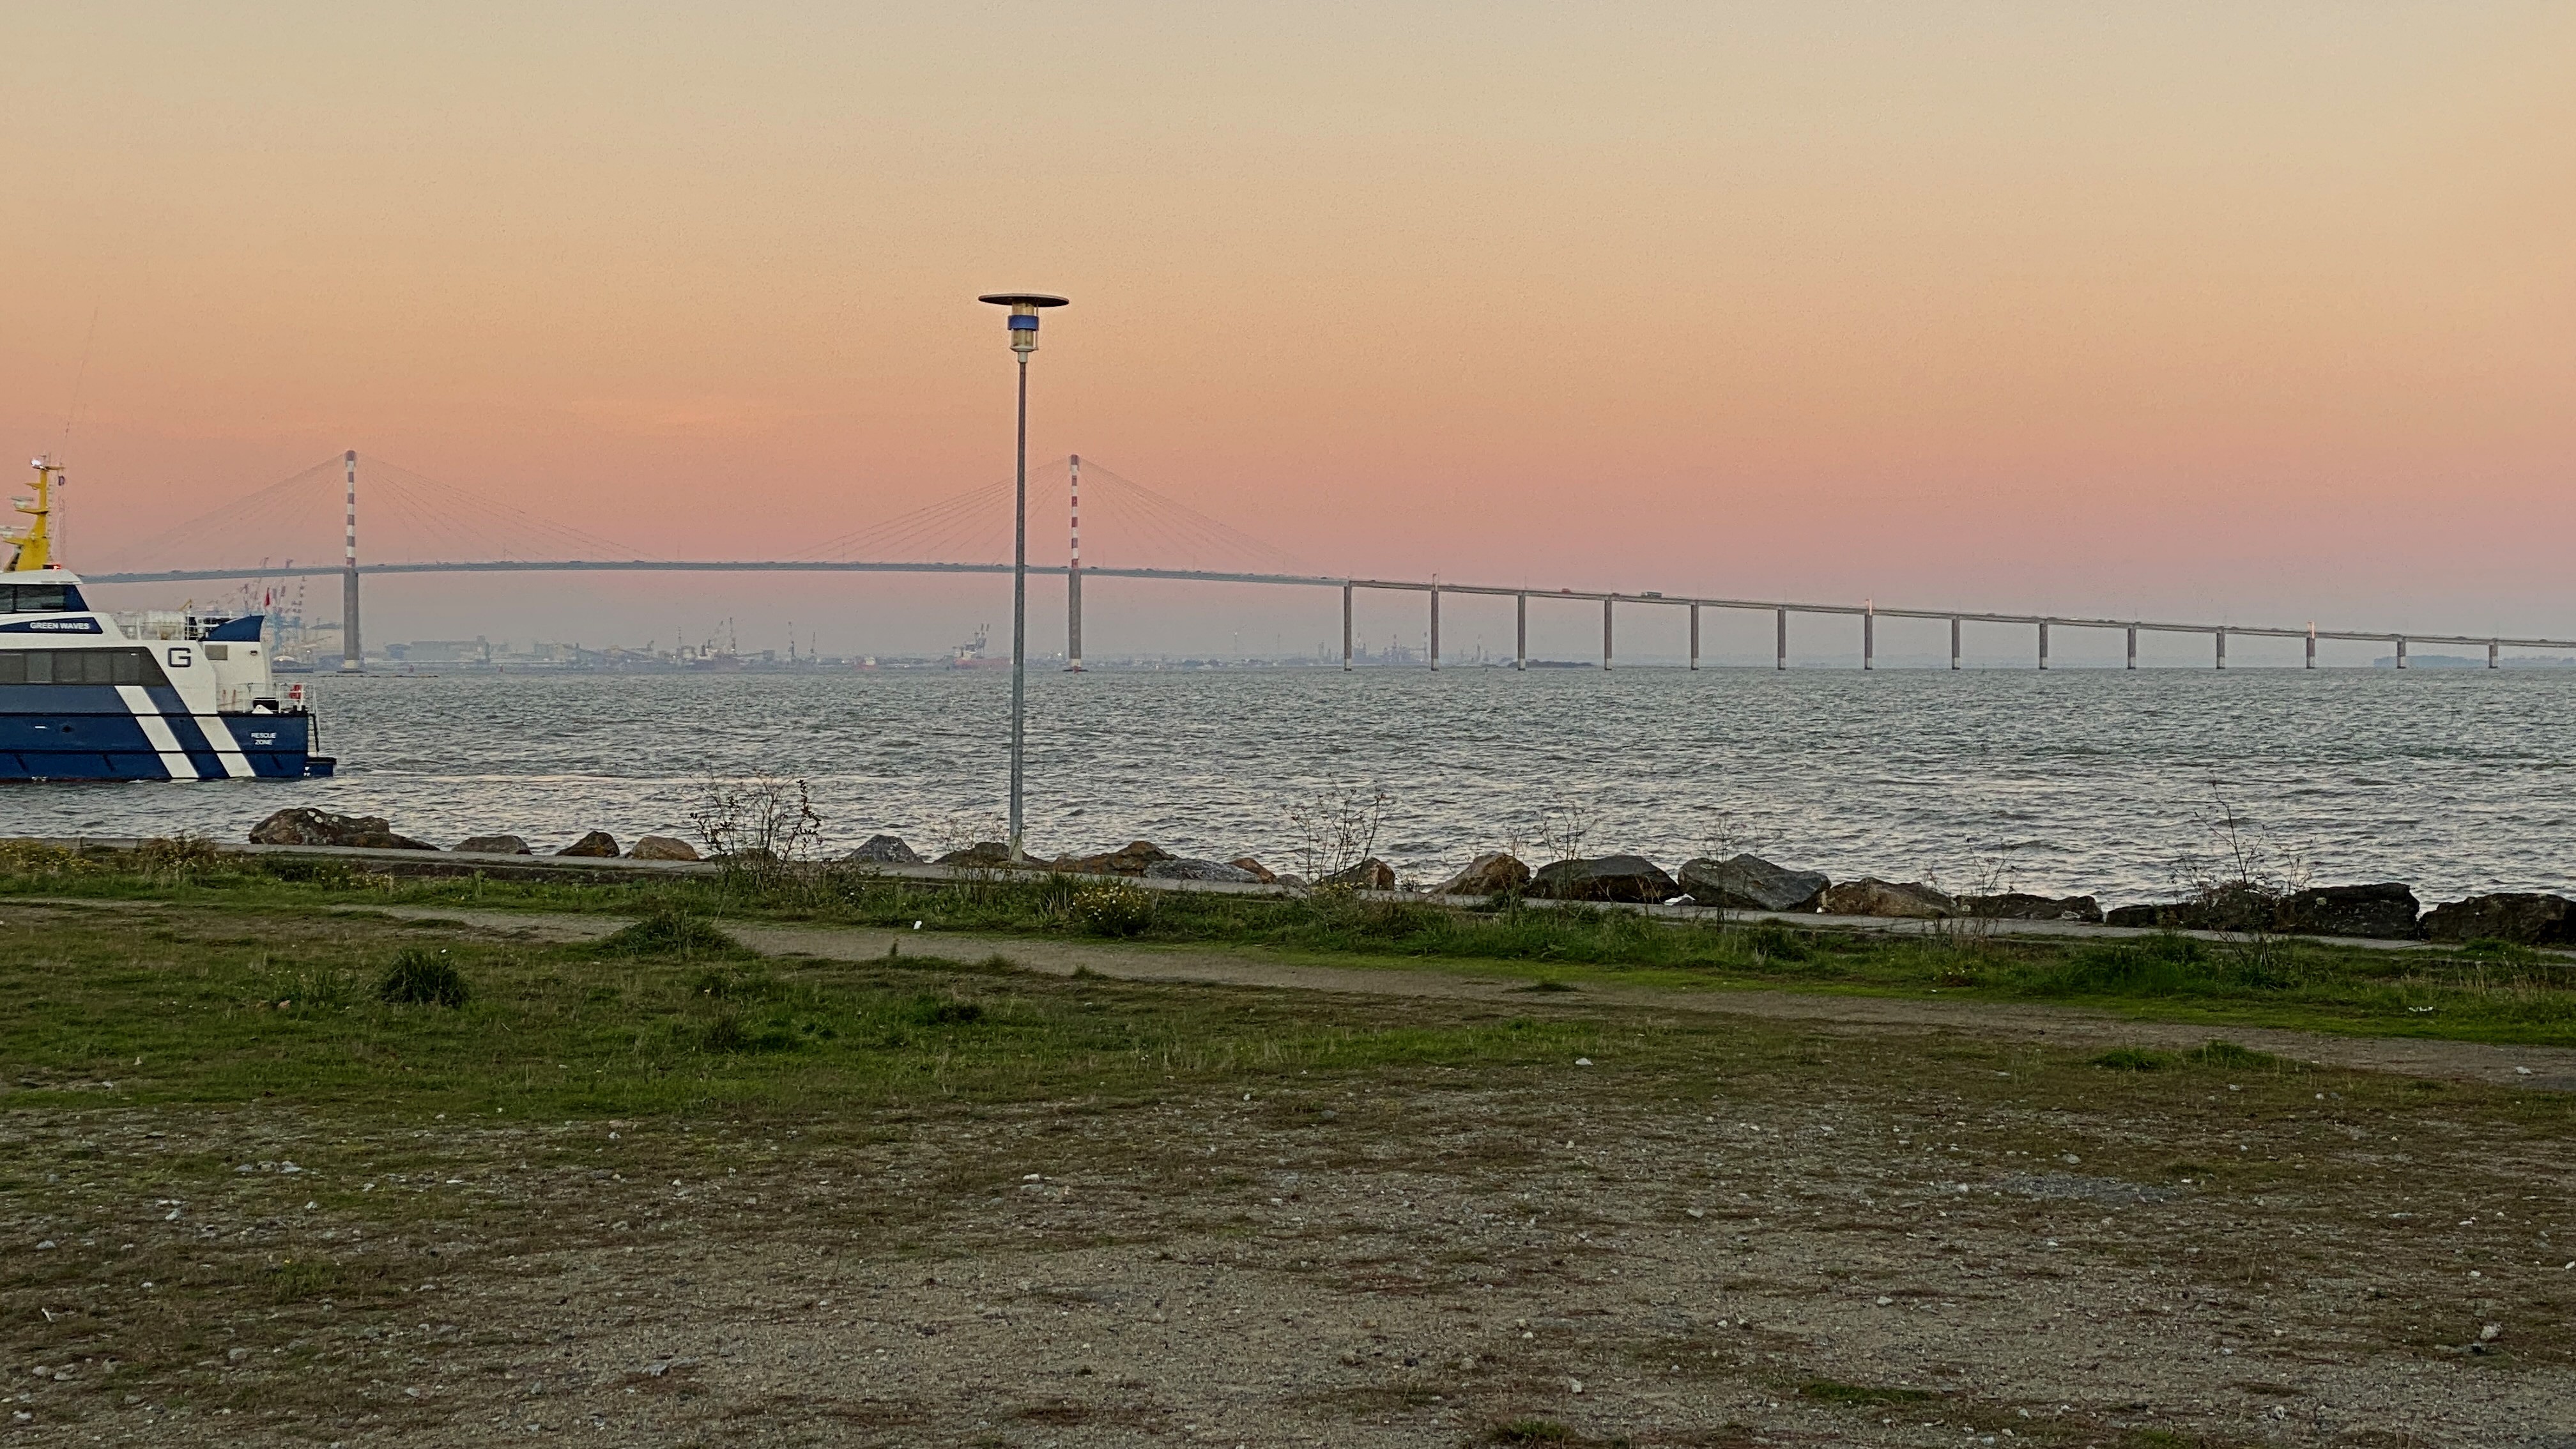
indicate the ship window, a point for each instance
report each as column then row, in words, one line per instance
column 219, row 652
column 81, row 666
column 37, row 598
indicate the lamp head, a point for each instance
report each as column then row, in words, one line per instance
column 1024, row 315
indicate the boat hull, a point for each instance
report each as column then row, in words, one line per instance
column 87, row 732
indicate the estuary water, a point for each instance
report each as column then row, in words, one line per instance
column 2070, row 781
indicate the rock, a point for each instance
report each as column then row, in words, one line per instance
column 1290, row 878
column 1750, row 883
column 597, row 844
column 2241, row 907
column 1371, row 874
column 662, row 847
column 303, row 825
column 2524, row 918
column 1604, row 878
column 1129, row 859
column 1491, row 874
column 494, row 845
column 981, row 853
column 1870, row 896
column 2016, row 906
column 885, row 850
column 2385, row 910
column 1200, row 870
column 1255, row 868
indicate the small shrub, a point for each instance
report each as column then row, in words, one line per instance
column 2131, row 1059
column 2229, row 1054
column 944, row 1011
column 727, row 1036
column 1772, row 941
column 1547, row 984
column 34, row 858
column 667, row 932
column 181, row 855
column 420, row 977
column 1833, row 1391
column 1112, row 908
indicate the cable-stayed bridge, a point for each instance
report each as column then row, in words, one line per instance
column 461, row 531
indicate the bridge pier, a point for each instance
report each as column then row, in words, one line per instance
column 2221, row 636
column 1346, row 628
column 2043, row 643
column 2312, row 647
column 2491, row 654
column 1435, row 628
column 1868, row 635
column 2133, row 646
column 1694, row 636
column 1073, row 577
column 1605, row 632
column 1780, row 659
column 353, row 649
column 1520, row 631
column 2401, row 653
column 1954, row 643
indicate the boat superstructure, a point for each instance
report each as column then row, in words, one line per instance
column 178, row 695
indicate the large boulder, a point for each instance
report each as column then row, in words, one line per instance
column 493, row 845
column 1870, row 896
column 1200, row 870
column 303, row 825
column 1371, row 874
column 1133, row 858
column 885, row 850
column 1750, row 883
column 1492, row 874
column 2242, row 907
column 981, row 853
column 597, row 845
column 2522, row 917
column 1604, row 878
column 1256, row 869
column 2386, row 910
column 2016, row 906
column 661, row 847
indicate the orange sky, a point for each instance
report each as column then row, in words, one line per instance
column 2255, row 312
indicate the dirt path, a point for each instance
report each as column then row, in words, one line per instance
column 2552, row 1068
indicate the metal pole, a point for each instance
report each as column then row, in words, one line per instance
column 1781, row 661
column 1073, row 581
column 1346, row 628
column 1694, row 636
column 353, row 649
column 1954, row 643
column 1605, row 632
column 1868, row 635
column 2133, row 646
column 1020, row 609
column 2043, row 643
column 1520, row 631
column 1435, row 626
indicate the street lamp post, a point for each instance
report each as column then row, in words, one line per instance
column 1023, row 323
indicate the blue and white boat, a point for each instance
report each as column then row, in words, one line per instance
column 87, row 695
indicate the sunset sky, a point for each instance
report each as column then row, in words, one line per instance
column 2256, row 312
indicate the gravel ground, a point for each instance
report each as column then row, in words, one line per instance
column 1882, row 1233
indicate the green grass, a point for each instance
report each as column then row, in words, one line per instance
column 2481, row 991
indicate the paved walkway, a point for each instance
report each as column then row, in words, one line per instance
column 2076, row 1028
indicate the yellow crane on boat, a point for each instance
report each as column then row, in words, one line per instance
column 35, row 542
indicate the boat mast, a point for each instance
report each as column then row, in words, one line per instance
column 36, row 541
